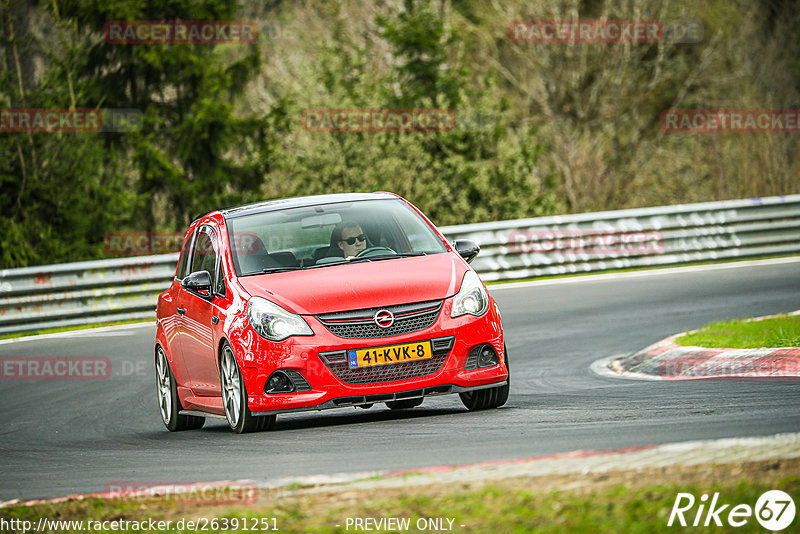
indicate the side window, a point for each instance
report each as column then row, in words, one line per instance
column 219, row 280
column 204, row 255
column 183, row 263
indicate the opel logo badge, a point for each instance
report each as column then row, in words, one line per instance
column 383, row 318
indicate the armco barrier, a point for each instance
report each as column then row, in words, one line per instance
column 52, row 296
column 68, row 294
column 669, row 235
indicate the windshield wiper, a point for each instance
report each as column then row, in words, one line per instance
column 279, row 269
column 397, row 255
column 343, row 260
column 339, row 262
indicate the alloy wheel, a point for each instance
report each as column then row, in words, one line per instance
column 231, row 387
column 163, row 386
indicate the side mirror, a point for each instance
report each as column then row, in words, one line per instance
column 198, row 282
column 467, row 248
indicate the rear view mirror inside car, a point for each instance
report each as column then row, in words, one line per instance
column 329, row 219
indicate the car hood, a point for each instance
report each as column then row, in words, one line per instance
column 361, row 285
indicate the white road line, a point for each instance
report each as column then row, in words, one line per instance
column 103, row 331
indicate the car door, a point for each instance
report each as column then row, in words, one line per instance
column 198, row 339
column 173, row 316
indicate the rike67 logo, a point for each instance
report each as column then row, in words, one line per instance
column 774, row 510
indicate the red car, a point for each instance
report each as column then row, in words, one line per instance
column 323, row 302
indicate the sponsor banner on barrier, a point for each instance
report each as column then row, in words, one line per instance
column 134, row 32
column 589, row 241
column 730, row 120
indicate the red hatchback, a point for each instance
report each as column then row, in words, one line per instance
column 323, row 302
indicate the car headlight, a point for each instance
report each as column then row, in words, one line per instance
column 471, row 298
column 273, row 322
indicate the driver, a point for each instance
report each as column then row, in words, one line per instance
column 350, row 238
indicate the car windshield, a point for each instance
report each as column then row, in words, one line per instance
column 329, row 234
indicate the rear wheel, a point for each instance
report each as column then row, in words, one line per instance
column 234, row 397
column 404, row 404
column 168, row 402
column 484, row 399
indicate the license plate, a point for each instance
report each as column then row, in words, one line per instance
column 406, row 352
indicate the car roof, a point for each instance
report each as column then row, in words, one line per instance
column 301, row 202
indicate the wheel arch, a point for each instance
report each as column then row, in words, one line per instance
column 222, row 341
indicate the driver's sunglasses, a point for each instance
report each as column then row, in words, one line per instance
column 352, row 240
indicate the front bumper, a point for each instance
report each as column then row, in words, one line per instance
column 371, row 399
column 258, row 358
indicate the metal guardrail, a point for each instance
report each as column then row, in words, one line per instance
column 34, row 298
column 69, row 294
column 646, row 237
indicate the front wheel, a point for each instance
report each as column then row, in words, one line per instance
column 168, row 402
column 234, row 397
column 484, row 399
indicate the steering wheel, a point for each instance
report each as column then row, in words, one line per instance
column 374, row 251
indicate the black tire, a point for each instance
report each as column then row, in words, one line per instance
column 234, row 397
column 168, row 402
column 404, row 404
column 485, row 399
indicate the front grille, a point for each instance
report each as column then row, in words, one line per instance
column 360, row 324
column 337, row 362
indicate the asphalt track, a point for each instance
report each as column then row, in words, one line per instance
column 62, row 437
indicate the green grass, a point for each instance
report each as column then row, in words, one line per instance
column 495, row 508
column 780, row 331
